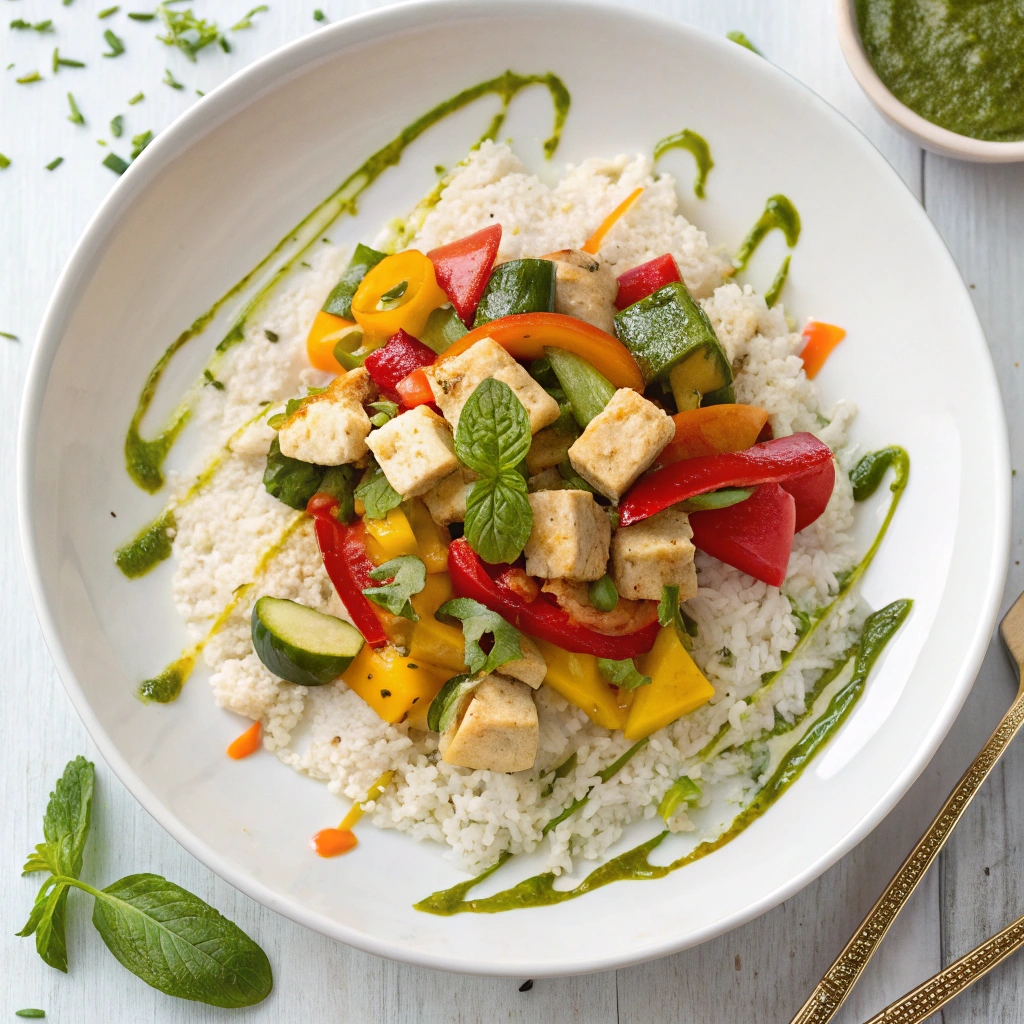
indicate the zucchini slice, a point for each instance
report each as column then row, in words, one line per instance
column 518, row 286
column 302, row 645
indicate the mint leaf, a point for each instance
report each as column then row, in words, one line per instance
column 623, row 674
column 493, row 434
column 339, row 482
column 376, row 494
column 66, row 822
column 477, row 620
column 291, row 480
column 444, row 708
column 408, row 576
column 179, row 944
column 47, row 923
column 498, row 516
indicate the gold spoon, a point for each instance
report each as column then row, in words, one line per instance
column 918, row 1005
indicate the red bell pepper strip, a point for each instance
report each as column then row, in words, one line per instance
column 542, row 617
column 638, row 283
column 415, row 390
column 392, row 363
column 755, row 536
column 343, row 550
column 811, row 492
column 780, row 461
column 463, row 267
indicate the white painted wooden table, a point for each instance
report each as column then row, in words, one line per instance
column 761, row 972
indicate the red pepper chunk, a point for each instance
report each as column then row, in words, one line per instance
column 463, row 267
column 755, row 536
column 392, row 363
column 415, row 390
column 800, row 463
column 638, row 283
column 343, row 549
column 541, row 618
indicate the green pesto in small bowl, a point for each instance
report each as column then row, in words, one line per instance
column 957, row 63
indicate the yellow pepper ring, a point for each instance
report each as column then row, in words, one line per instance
column 420, row 297
column 322, row 338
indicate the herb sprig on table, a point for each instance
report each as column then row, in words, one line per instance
column 162, row 933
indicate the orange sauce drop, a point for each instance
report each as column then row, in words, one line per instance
column 331, row 842
column 246, row 744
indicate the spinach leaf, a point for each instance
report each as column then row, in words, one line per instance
column 498, row 516
column 477, row 620
column 444, row 708
column 179, row 944
column 493, row 434
column 290, row 480
column 408, row 576
column 376, row 494
column 623, row 674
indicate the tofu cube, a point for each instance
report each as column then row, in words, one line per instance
column 497, row 729
column 620, row 442
column 330, row 429
column 415, row 451
column 446, row 501
column 570, row 536
column 454, row 380
column 531, row 668
column 653, row 554
column 585, row 288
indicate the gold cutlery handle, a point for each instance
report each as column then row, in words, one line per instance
column 919, row 1005
column 834, row 987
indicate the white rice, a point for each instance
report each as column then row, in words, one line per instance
column 745, row 627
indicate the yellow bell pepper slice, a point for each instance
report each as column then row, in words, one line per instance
column 392, row 536
column 435, row 592
column 323, row 336
column 436, row 643
column 408, row 310
column 677, row 687
column 577, row 678
column 389, row 683
column 432, row 539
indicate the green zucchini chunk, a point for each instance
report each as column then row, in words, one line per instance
column 519, row 286
column 302, row 645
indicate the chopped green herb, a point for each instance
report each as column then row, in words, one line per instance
column 212, row 381
column 115, row 44
column 75, row 117
column 117, row 126
column 187, row 32
column 5, row 162
column 115, row 163
column 684, row 791
column 140, row 142
column 319, row 15
column 108, row 11
column 246, row 22
column 199, row 92
column 376, row 494
column 137, row 98
column 141, row 16
column 272, row 336
column 39, row 26
column 478, row 620
column 9, row 66
column 741, row 39
column 32, row 76
column 65, row 62
column 407, row 575
column 55, row 163
column 224, row 45
column 170, row 80
column 9, row 337
column 623, row 674
column 30, row 1012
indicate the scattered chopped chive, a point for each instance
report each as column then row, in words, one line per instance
column 137, row 98
column 75, row 117
column 140, row 142
column 9, row 337
column 5, row 162
column 115, row 44
column 170, row 80
column 115, row 163
column 141, row 16
column 272, row 335
column 319, row 15
column 39, row 26
column 224, row 44
column 199, row 92
column 32, row 76
column 212, row 381
column 117, row 126
column 9, row 66
column 55, row 163
column 30, row 1011
column 64, row 62
column 101, row 142
column 108, row 11
column 741, row 39
column 246, row 22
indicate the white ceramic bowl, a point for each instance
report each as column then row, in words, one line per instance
column 220, row 186
column 931, row 136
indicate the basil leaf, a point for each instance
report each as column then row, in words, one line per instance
column 493, row 434
column 498, row 516
column 683, row 791
column 444, row 708
column 477, row 619
column 290, row 480
column 623, row 674
column 376, row 494
column 180, row 945
column 408, row 576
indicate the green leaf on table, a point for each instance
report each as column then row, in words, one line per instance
column 498, row 516
column 376, row 494
column 623, row 674
column 246, row 21
column 179, row 944
column 493, row 434
column 408, row 576
column 478, row 620
column 67, row 818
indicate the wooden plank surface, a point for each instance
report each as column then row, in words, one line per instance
column 760, row 972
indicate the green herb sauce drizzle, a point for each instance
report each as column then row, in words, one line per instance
column 633, row 865
column 692, row 143
column 144, row 458
column 779, row 212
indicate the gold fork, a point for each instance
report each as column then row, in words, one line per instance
column 918, row 1005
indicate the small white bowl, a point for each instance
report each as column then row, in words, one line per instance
column 931, row 136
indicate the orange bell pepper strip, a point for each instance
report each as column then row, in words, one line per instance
column 322, row 338
column 398, row 294
column 246, row 744
column 525, row 336
column 713, row 430
column 332, row 842
column 819, row 341
column 593, row 243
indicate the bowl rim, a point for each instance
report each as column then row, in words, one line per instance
column 931, row 136
column 222, row 102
